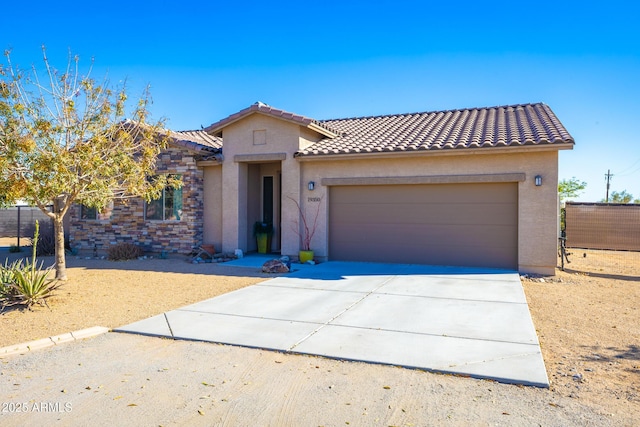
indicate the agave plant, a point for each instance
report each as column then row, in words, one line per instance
column 27, row 283
column 6, row 278
column 31, row 285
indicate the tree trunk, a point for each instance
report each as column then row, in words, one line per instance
column 60, row 207
column 61, row 264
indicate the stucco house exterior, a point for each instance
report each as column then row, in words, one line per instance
column 469, row 187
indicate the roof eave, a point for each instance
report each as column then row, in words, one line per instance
column 216, row 128
column 194, row 146
column 258, row 108
column 215, row 160
column 321, row 130
column 448, row 152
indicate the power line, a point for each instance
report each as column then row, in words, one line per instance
column 625, row 171
column 629, row 173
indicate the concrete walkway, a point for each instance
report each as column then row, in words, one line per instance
column 463, row 321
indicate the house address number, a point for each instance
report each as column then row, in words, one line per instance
column 314, row 199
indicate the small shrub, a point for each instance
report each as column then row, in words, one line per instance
column 14, row 249
column 124, row 251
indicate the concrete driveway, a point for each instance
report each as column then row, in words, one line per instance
column 465, row 321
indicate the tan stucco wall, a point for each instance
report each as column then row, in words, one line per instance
column 280, row 137
column 212, row 198
column 307, row 138
column 537, row 205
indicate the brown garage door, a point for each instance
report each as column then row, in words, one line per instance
column 438, row 224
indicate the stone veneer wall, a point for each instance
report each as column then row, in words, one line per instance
column 127, row 223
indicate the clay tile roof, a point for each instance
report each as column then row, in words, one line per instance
column 505, row 126
column 262, row 108
column 197, row 140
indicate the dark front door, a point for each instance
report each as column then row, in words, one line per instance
column 267, row 199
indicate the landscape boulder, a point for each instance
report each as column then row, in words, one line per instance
column 275, row 266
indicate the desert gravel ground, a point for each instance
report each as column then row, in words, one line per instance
column 586, row 318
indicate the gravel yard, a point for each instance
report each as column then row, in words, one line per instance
column 586, row 318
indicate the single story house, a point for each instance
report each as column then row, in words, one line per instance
column 468, row 187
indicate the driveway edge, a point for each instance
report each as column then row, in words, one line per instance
column 51, row 341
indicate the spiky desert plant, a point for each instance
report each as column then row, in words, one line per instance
column 6, row 278
column 30, row 284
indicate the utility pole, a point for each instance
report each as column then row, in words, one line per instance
column 608, row 176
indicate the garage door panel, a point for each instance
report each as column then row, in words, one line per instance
column 492, row 193
column 407, row 213
column 433, row 253
column 426, row 235
column 467, row 225
column 424, row 239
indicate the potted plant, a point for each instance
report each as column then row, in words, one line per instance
column 307, row 232
column 262, row 231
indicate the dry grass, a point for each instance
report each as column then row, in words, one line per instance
column 588, row 323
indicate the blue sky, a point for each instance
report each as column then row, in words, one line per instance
column 206, row 60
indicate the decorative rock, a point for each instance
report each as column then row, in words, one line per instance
column 275, row 266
